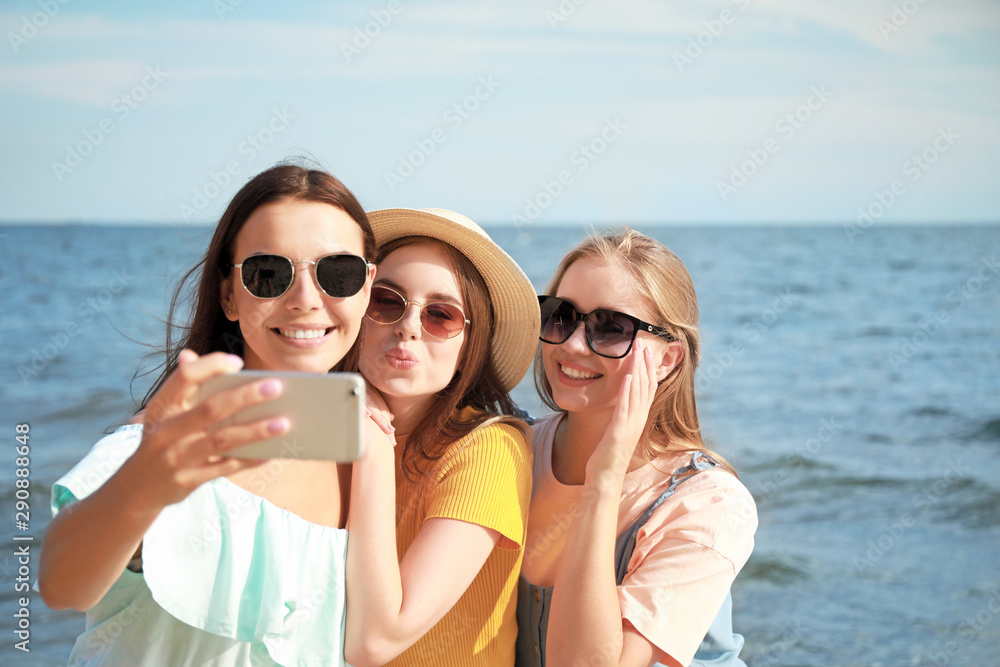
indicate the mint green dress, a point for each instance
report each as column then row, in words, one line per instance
column 226, row 578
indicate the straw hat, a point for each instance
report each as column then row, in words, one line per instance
column 515, row 305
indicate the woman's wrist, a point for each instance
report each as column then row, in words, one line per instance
column 604, row 485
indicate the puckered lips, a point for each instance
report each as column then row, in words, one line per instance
column 400, row 358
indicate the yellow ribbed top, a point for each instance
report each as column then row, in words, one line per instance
column 485, row 479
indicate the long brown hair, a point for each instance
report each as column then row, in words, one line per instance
column 664, row 284
column 475, row 385
column 209, row 330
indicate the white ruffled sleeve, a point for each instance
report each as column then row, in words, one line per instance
column 104, row 460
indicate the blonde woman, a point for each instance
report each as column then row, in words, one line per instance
column 636, row 530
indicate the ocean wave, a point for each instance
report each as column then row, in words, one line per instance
column 976, row 507
column 988, row 432
column 99, row 402
column 786, row 570
column 878, row 331
column 790, row 461
column 930, row 411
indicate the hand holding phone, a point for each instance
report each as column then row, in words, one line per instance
column 326, row 411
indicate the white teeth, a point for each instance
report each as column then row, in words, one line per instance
column 578, row 375
column 302, row 333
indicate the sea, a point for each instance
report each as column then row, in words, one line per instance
column 850, row 374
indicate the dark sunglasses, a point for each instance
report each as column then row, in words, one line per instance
column 270, row 276
column 609, row 333
column 441, row 320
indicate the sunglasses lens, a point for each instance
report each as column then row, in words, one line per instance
column 558, row 319
column 442, row 320
column 610, row 333
column 266, row 276
column 341, row 275
column 385, row 306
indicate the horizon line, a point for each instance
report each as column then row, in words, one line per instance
column 556, row 223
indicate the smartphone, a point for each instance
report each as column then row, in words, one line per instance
column 326, row 413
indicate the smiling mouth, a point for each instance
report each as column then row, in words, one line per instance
column 304, row 333
column 574, row 374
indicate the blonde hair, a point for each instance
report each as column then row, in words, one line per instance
column 665, row 286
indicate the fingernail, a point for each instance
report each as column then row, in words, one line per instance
column 234, row 360
column 278, row 425
column 270, row 388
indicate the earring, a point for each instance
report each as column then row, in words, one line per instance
column 230, row 311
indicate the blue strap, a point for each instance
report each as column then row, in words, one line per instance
column 625, row 544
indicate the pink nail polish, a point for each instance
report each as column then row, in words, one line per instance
column 270, row 388
column 278, row 425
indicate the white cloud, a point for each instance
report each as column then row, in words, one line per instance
column 558, row 86
column 89, row 82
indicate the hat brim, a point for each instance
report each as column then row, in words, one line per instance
column 515, row 304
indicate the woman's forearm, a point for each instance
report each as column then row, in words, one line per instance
column 392, row 603
column 374, row 588
column 90, row 542
column 585, row 618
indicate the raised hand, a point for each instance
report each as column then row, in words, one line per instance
column 377, row 410
column 90, row 541
column 180, row 449
column 616, row 449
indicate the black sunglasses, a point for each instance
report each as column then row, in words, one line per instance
column 609, row 333
column 270, row 276
column 441, row 320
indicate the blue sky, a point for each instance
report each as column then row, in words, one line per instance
column 581, row 111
